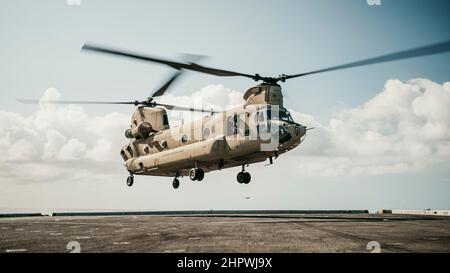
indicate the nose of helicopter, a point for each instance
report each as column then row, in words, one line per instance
column 297, row 131
column 291, row 135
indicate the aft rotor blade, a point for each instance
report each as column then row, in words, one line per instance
column 181, row 108
column 175, row 65
column 136, row 103
column 34, row 101
column 411, row 53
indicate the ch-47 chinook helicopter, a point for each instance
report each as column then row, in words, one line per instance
column 260, row 130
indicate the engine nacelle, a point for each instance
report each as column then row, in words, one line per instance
column 142, row 130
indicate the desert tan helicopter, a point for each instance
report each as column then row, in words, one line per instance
column 260, row 130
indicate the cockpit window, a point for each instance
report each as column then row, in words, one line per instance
column 282, row 115
column 286, row 116
column 165, row 120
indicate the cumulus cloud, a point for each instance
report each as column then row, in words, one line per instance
column 406, row 127
column 214, row 96
column 211, row 97
column 63, row 141
column 46, row 143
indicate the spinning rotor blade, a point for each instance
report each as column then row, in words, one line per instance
column 411, row 53
column 181, row 108
column 175, row 65
column 136, row 103
column 175, row 76
column 406, row 54
column 33, row 101
column 165, row 86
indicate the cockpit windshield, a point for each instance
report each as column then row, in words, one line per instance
column 286, row 117
column 282, row 115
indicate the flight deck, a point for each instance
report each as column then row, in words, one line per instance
column 226, row 231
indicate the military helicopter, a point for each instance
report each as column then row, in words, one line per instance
column 261, row 129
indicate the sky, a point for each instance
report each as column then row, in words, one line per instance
column 382, row 137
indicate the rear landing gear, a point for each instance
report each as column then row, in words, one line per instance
column 176, row 182
column 196, row 174
column 243, row 177
column 130, row 180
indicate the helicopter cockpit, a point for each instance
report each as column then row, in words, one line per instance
column 277, row 120
column 286, row 117
column 279, row 114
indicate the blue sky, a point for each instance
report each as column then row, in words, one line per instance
column 41, row 43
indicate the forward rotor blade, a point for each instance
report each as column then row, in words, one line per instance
column 166, row 86
column 181, row 108
column 34, row 101
column 175, row 65
column 176, row 75
column 411, row 53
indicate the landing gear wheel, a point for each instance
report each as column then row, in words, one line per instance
column 130, row 180
column 240, row 177
column 243, row 177
column 200, row 174
column 193, row 174
column 196, row 174
column 176, row 183
column 247, row 178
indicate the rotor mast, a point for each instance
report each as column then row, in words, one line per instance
column 264, row 93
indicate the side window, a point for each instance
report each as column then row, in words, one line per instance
column 206, row 133
column 165, row 120
column 241, row 125
column 184, row 138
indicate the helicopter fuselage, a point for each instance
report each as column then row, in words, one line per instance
column 259, row 130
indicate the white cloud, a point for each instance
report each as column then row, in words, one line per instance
column 406, row 127
column 72, row 150
column 64, row 141
column 55, row 141
column 54, row 137
column 21, row 149
column 213, row 96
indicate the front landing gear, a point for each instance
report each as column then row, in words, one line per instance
column 243, row 177
column 130, row 180
column 175, row 183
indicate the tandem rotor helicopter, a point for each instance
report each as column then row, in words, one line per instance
column 260, row 130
